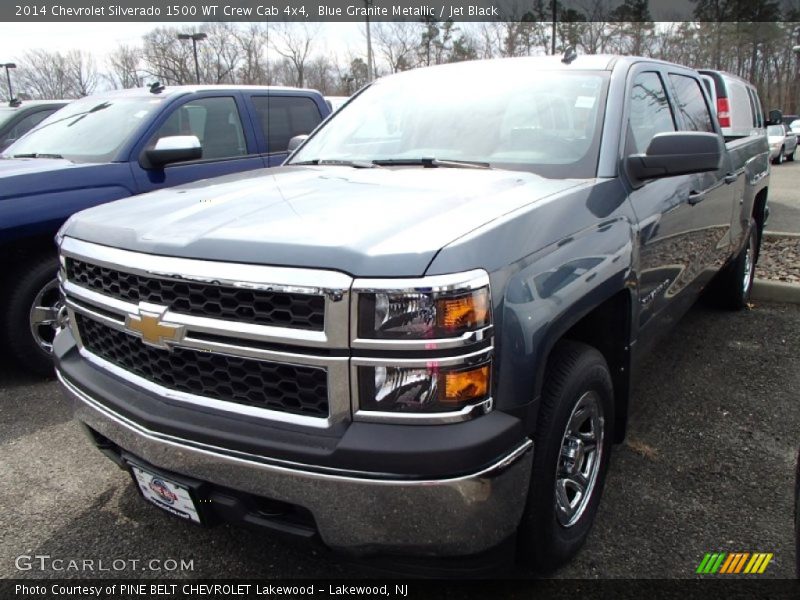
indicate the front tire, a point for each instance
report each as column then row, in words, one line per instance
column 573, row 441
column 30, row 318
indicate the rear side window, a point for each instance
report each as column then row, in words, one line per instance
column 691, row 103
column 283, row 117
column 650, row 112
column 758, row 112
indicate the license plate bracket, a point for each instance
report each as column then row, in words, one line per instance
column 172, row 494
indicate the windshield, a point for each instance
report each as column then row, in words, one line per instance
column 776, row 131
column 88, row 130
column 503, row 115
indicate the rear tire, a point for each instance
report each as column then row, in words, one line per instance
column 573, row 440
column 779, row 159
column 29, row 321
column 790, row 157
column 733, row 286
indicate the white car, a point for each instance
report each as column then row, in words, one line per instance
column 782, row 143
column 795, row 126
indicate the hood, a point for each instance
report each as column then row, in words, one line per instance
column 10, row 167
column 365, row 222
column 26, row 176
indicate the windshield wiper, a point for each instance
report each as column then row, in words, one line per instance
column 431, row 163
column 357, row 164
column 37, row 155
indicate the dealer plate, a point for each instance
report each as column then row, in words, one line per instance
column 168, row 495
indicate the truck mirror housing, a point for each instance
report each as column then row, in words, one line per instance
column 175, row 148
column 775, row 117
column 296, row 141
column 677, row 153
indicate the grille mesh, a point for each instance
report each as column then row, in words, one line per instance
column 287, row 388
column 279, row 309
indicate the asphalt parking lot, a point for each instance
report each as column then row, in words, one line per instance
column 708, row 466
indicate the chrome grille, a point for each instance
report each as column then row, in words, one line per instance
column 261, row 307
column 294, row 389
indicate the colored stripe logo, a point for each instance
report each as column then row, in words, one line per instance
column 732, row 563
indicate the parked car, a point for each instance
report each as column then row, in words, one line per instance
column 417, row 336
column 737, row 104
column 19, row 117
column 782, row 143
column 795, row 126
column 118, row 144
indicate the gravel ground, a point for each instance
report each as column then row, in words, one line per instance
column 780, row 259
column 708, row 466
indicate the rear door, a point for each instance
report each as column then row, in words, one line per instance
column 279, row 116
column 712, row 195
column 218, row 120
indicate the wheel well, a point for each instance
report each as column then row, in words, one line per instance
column 607, row 328
column 760, row 216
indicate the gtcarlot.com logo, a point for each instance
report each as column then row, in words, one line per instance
column 46, row 562
column 734, row 563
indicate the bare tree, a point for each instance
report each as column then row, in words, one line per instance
column 397, row 43
column 45, row 74
column 252, row 41
column 219, row 54
column 124, row 67
column 166, row 58
column 294, row 42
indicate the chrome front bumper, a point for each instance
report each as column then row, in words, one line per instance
column 450, row 516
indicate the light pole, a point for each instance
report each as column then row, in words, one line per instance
column 370, row 70
column 554, row 7
column 8, row 67
column 195, row 37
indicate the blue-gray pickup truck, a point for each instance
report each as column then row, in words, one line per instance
column 417, row 336
column 111, row 146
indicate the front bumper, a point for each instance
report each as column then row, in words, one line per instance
column 461, row 515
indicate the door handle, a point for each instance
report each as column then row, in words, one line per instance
column 696, row 197
column 731, row 177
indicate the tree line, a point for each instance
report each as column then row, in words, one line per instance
column 294, row 54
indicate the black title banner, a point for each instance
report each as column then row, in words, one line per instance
column 398, row 10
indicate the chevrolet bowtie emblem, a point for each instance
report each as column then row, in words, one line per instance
column 149, row 326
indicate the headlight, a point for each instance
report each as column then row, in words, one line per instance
column 424, row 390
column 454, row 306
column 429, row 342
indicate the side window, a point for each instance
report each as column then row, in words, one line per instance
column 650, row 112
column 215, row 122
column 283, row 117
column 758, row 113
column 691, row 103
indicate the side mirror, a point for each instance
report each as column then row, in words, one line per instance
column 175, row 148
column 296, row 141
column 775, row 117
column 679, row 153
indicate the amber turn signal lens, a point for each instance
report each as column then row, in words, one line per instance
column 469, row 311
column 462, row 387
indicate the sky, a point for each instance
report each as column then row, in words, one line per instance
column 101, row 38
